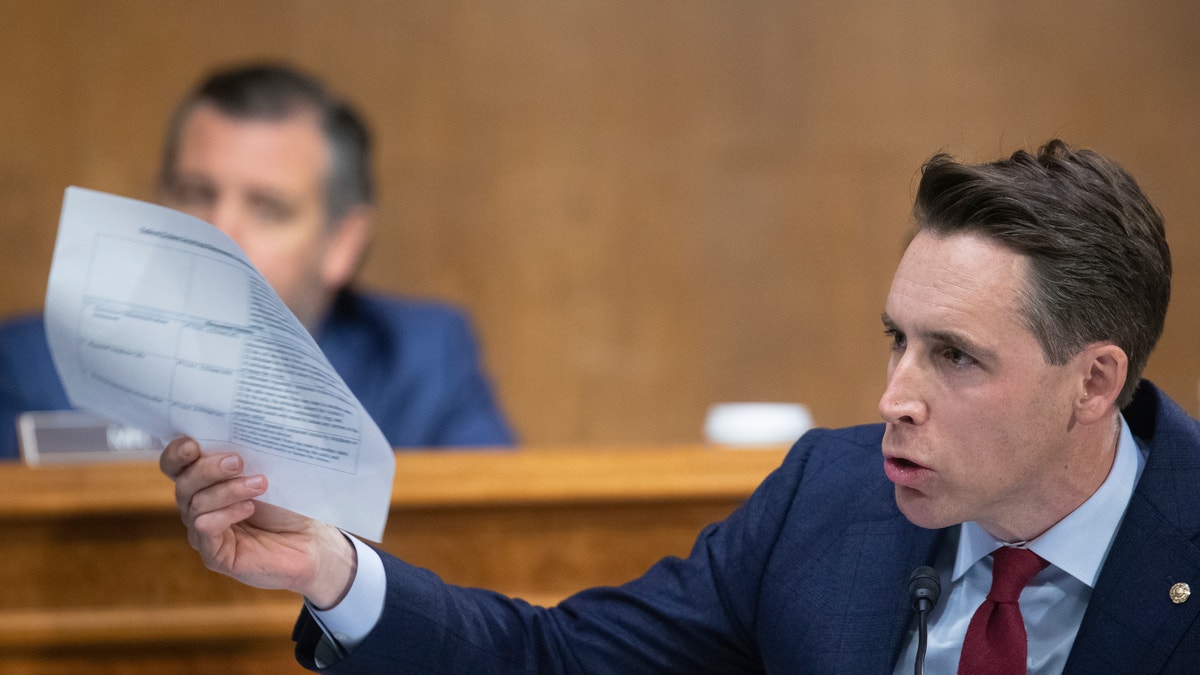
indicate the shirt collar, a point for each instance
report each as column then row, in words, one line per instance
column 1078, row 543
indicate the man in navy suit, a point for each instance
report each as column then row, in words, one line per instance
column 1016, row 424
column 274, row 160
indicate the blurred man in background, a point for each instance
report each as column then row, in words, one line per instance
column 271, row 158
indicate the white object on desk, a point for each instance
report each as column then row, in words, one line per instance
column 756, row 423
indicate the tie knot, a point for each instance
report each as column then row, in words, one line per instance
column 1011, row 571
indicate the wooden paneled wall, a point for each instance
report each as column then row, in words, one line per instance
column 647, row 207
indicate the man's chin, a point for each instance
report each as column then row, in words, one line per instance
column 921, row 510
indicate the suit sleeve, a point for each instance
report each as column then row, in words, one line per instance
column 9, row 409
column 690, row 615
column 28, row 380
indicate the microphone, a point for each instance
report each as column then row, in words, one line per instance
column 924, row 587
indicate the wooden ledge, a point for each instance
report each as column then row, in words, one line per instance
column 429, row 479
column 31, row 631
column 34, row 630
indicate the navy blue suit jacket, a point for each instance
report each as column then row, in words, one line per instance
column 808, row 576
column 414, row 365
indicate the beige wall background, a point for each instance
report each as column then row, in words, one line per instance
column 646, row 207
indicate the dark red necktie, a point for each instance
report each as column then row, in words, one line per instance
column 996, row 642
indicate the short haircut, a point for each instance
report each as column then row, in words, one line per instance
column 1099, row 261
column 276, row 92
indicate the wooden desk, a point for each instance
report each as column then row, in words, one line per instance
column 99, row 577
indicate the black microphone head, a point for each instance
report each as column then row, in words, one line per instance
column 924, row 587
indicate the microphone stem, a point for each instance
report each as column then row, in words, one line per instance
column 922, row 638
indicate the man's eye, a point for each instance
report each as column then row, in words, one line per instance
column 897, row 338
column 275, row 213
column 958, row 357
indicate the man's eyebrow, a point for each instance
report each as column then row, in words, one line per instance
column 957, row 340
column 945, row 337
column 189, row 177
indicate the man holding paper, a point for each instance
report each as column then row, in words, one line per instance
column 1018, row 442
column 271, row 158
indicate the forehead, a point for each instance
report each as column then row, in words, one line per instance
column 960, row 283
column 252, row 148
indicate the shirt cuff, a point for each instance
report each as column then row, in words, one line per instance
column 348, row 623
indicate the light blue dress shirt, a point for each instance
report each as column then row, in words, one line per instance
column 347, row 623
column 1053, row 603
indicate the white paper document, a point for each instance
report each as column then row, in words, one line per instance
column 157, row 320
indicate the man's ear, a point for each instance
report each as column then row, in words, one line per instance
column 1103, row 369
column 347, row 245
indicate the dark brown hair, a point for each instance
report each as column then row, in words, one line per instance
column 275, row 92
column 1100, row 265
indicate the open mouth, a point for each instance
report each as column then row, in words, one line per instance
column 905, row 471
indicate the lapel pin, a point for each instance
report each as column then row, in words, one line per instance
column 1180, row 592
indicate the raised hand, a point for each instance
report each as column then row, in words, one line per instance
column 256, row 543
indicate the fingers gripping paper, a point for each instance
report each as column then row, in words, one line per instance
column 157, row 320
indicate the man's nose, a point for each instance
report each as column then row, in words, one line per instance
column 226, row 217
column 902, row 402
